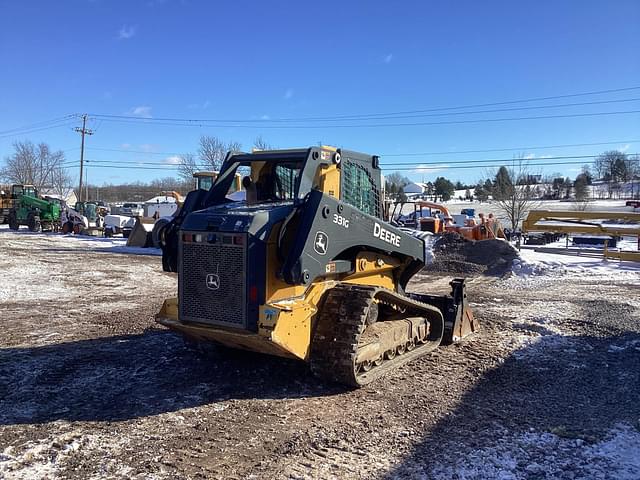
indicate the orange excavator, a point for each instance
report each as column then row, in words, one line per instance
column 435, row 218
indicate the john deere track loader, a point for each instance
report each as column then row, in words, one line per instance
column 305, row 267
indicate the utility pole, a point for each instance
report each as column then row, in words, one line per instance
column 82, row 131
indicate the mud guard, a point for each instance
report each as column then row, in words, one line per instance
column 459, row 321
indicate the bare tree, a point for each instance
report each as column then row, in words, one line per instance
column 31, row 164
column 261, row 144
column 188, row 166
column 615, row 167
column 518, row 200
column 212, row 151
column 61, row 181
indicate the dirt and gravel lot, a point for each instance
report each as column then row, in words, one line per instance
column 90, row 387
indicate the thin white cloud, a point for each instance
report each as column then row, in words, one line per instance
column 141, row 111
column 429, row 169
column 126, row 32
column 199, row 106
column 173, row 160
column 625, row 148
column 125, row 145
column 529, row 156
column 388, row 58
column 147, row 147
column 288, row 94
column 265, row 117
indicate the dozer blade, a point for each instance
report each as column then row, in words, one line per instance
column 459, row 321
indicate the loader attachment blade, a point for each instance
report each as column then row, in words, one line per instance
column 459, row 321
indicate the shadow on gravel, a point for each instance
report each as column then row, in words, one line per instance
column 577, row 387
column 125, row 377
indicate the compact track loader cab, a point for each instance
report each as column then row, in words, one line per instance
column 305, row 267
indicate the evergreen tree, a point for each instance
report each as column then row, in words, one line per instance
column 444, row 188
column 503, row 186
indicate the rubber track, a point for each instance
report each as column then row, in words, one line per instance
column 342, row 321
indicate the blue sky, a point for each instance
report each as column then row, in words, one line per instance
column 253, row 60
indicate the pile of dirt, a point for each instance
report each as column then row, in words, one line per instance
column 454, row 254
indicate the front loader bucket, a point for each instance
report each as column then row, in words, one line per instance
column 140, row 235
column 459, row 321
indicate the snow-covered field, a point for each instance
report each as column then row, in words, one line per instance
column 454, row 205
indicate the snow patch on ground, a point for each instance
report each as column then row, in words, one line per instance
column 532, row 263
column 544, row 455
column 81, row 242
column 40, row 459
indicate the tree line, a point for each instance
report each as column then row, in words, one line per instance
column 43, row 167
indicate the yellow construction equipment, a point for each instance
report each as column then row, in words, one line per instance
column 594, row 223
column 305, row 267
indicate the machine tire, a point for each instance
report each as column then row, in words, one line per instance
column 156, row 233
column 33, row 222
column 13, row 221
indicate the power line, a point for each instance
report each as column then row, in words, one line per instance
column 33, row 130
column 506, row 160
column 357, row 117
column 411, row 154
column 377, row 125
column 420, row 167
column 444, row 162
column 39, row 124
column 125, row 150
column 374, row 115
column 173, row 168
column 405, row 154
column 417, row 167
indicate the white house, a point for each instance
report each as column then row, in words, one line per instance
column 414, row 188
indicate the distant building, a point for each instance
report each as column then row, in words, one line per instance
column 68, row 195
column 414, row 188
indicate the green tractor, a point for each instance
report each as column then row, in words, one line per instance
column 29, row 209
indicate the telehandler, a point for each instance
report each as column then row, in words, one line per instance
column 305, row 267
column 36, row 213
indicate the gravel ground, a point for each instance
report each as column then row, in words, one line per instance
column 90, row 387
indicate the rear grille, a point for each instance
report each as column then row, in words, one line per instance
column 205, row 266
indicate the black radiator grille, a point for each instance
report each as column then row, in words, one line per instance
column 212, row 279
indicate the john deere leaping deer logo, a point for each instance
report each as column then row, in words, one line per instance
column 213, row 280
column 321, row 243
